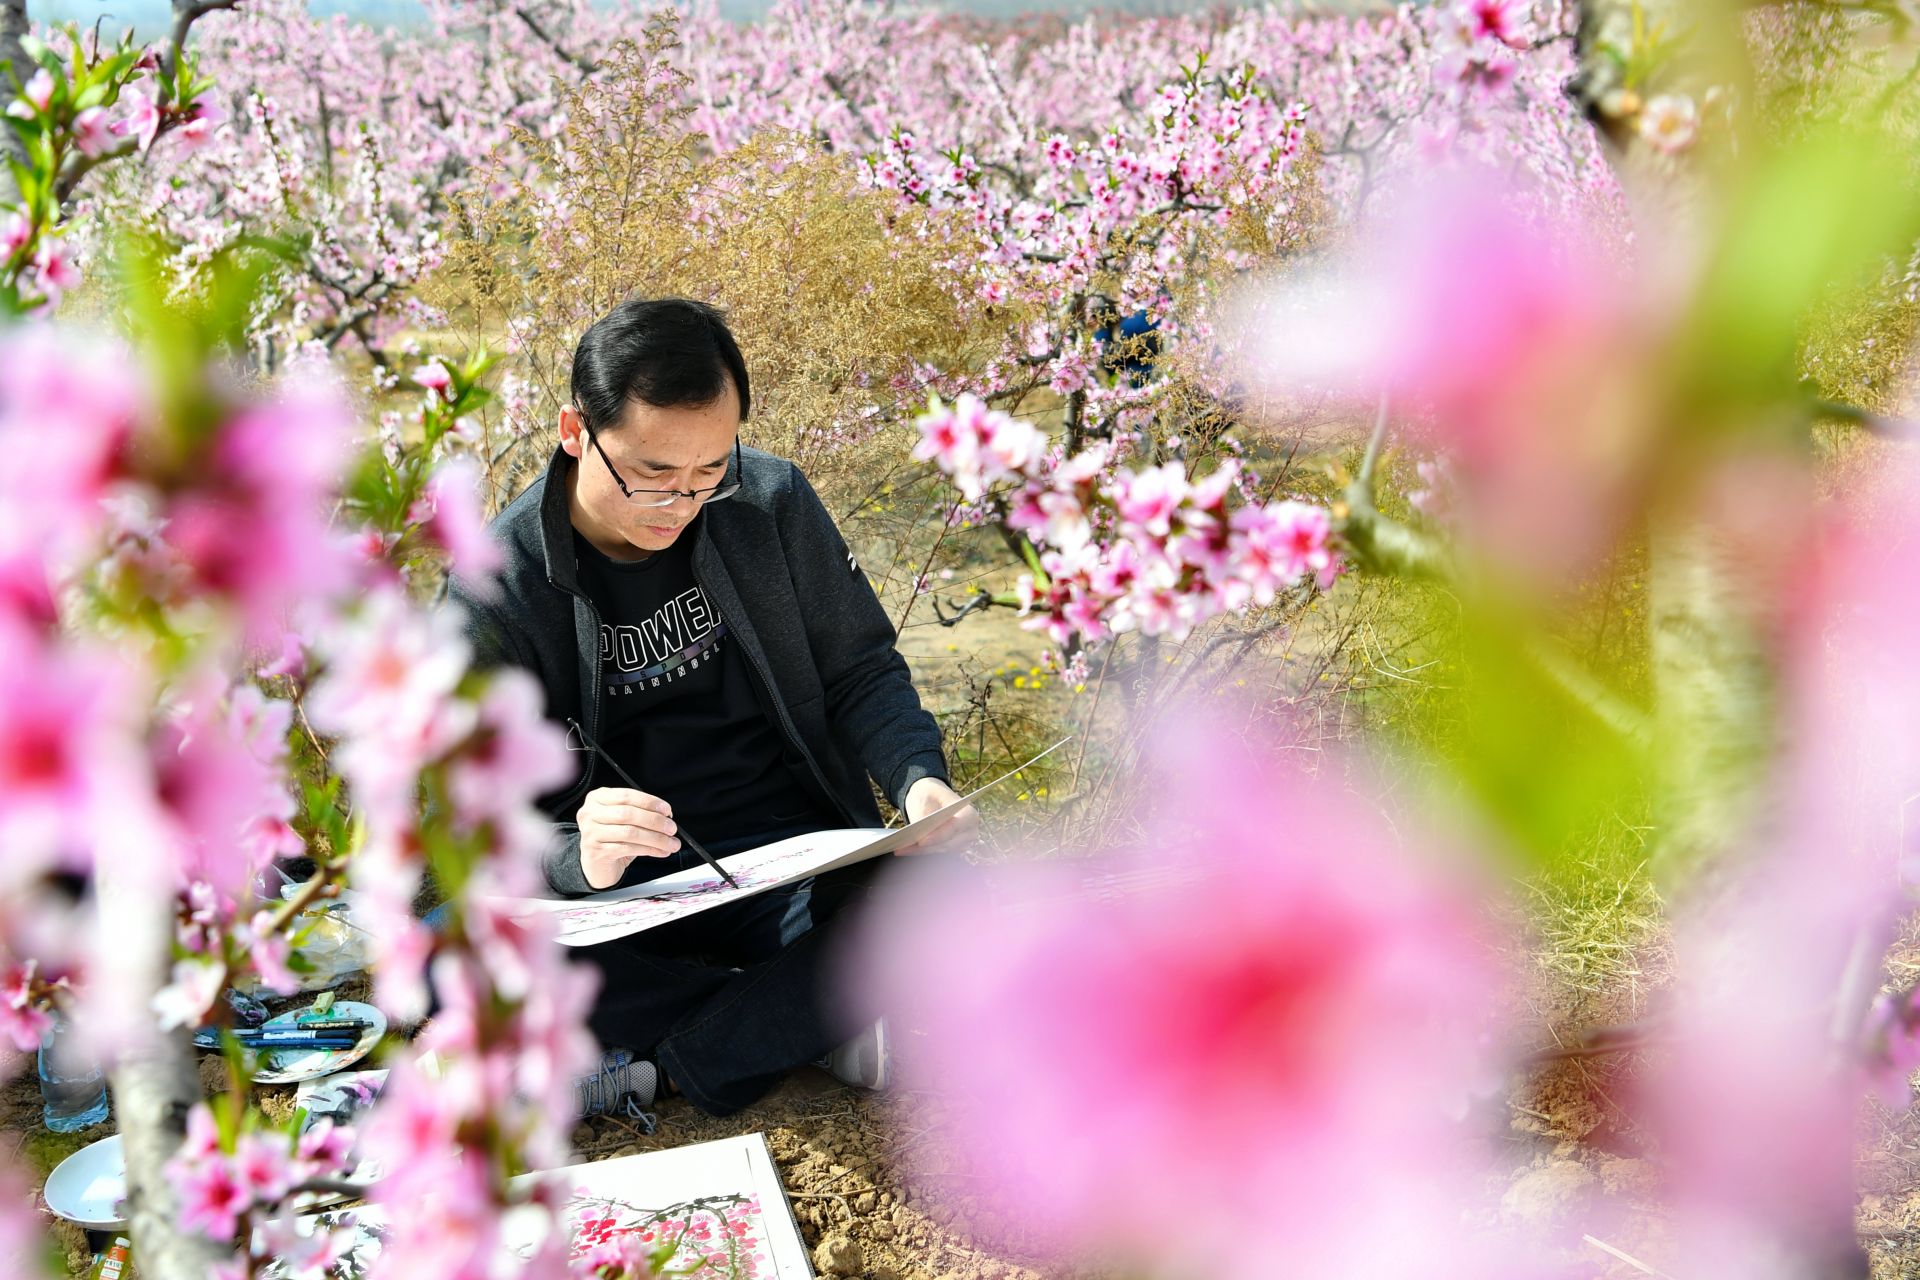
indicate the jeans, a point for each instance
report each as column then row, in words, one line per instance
column 730, row 998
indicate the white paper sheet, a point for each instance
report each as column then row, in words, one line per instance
column 601, row 917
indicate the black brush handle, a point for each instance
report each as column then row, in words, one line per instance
column 686, row 837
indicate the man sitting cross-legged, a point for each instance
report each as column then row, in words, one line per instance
column 690, row 608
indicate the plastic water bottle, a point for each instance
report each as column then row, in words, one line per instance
column 73, row 1087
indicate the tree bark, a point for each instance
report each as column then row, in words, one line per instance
column 155, row 1085
column 13, row 25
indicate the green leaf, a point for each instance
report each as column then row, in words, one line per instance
column 1032, row 557
column 1540, row 761
column 1803, row 220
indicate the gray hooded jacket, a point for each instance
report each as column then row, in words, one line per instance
column 814, row 634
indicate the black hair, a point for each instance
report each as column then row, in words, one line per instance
column 667, row 352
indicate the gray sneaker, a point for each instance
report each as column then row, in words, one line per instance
column 866, row 1061
column 622, row 1085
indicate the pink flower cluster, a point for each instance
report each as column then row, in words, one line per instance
column 1151, row 550
column 218, row 523
column 1221, row 1019
column 508, row 1035
column 122, row 89
column 977, row 446
column 231, row 1184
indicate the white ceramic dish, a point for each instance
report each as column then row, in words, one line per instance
column 90, row 1186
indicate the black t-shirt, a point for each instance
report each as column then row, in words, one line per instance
column 680, row 711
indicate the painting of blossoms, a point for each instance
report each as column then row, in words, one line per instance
column 1412, row 507
column 699, row 1205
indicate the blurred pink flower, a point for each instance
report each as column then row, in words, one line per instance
column 68, row 750
column 212, row 1195
column 214, row 785
column 23, row 1246
column 264, row 1164
column 202, row 119
column 34, row 97
column 1149, row 498
column 15, row 230
column 976, row 445
column 1778, row 968
column 1481, row 73
column 1502, row 20
column 142, row 120
column 434, row 377
column 92, row 131
column 269, row 955
column 514, row 755
column 444, row 1192
column 253, row 524
column 450, row 516
column 388, row 694
column 1506, row 330
column 70, row 404
column 1305, row 534
column 324, row 1149
column 1233, row 1037
column 22, row 1021
column 191, row 989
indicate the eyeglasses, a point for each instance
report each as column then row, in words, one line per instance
column 666, row 497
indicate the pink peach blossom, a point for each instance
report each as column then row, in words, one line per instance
column 142, row 120
column 36, row 96
column 15, row 230
column 212, row 1196
column 68, row 750
column 434, row 377
column 22, row 1021
column 1233, row 1039
column 454, row 522
column 252, row 525
column 92, row 132
column 514, row 755
column 203, row 116
column 1501, row 20
column 70, row 406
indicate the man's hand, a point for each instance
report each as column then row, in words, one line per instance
column 619, row 824
column 930, row 795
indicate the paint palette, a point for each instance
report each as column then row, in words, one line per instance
column 290, row 1066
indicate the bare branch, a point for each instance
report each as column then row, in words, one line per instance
column 585, row 66
column 185, row 14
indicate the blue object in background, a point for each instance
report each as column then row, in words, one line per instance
column 73, row 1088
column 1139, row 341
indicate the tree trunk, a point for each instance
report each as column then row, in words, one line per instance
column 155, row 1086
column 13, row 25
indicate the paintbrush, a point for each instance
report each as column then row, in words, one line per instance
column 685, row 838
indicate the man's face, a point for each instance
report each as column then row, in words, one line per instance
column 650, row 448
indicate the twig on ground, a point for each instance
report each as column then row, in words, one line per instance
column 1627, row 1258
